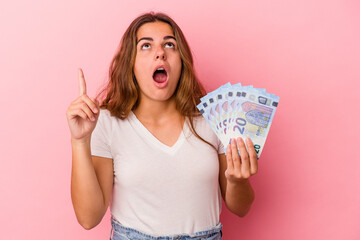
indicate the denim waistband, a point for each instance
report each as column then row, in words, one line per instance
column 120, row 232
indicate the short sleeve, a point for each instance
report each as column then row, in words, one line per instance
column 101, row 136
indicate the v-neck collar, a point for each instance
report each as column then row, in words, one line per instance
column 156, row 142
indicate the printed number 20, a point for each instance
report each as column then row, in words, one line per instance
column 240, row 122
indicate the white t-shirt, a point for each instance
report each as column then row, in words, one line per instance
column 160, row 190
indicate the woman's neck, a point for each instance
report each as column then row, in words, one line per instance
column 156, row 111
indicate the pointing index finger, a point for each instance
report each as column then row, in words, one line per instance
column 82, row 83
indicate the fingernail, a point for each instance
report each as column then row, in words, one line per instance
column 95, row 110
column 92, row 119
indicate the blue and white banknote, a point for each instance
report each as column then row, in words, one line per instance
column 240, row 111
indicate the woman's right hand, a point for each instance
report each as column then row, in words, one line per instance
column 83, row 113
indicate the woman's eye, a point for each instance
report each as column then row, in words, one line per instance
column 170, row 44
column 145, row 46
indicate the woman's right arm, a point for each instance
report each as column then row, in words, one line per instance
column 91, row 176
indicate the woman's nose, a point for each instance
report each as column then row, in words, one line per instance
column 160, row 54
column 160, row 57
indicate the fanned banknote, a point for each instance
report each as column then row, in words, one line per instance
column 240, row 111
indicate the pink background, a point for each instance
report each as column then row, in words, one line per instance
column 306, row 52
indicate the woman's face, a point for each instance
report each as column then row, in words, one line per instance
column 157, row 48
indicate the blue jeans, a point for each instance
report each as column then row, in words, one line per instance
column 119, row 232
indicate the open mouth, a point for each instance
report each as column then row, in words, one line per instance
column 160, row 75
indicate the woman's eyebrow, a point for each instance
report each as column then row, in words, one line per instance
column 150, row 39
column 169, row 37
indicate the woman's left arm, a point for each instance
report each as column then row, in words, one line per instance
column 235, row 171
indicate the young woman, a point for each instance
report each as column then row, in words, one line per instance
column 148, row 149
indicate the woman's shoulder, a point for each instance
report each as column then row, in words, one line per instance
column 110, row 122
column 107, row 114
column 107, row 118
column 204, row 130
column 199, row 120
column 201, row 125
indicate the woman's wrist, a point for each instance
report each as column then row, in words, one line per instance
column 81, row 141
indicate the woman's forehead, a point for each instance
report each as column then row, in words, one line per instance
column 154, row 28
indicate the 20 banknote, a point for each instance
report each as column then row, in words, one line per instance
column 234, row 111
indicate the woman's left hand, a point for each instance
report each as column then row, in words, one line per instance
column 240, row 167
